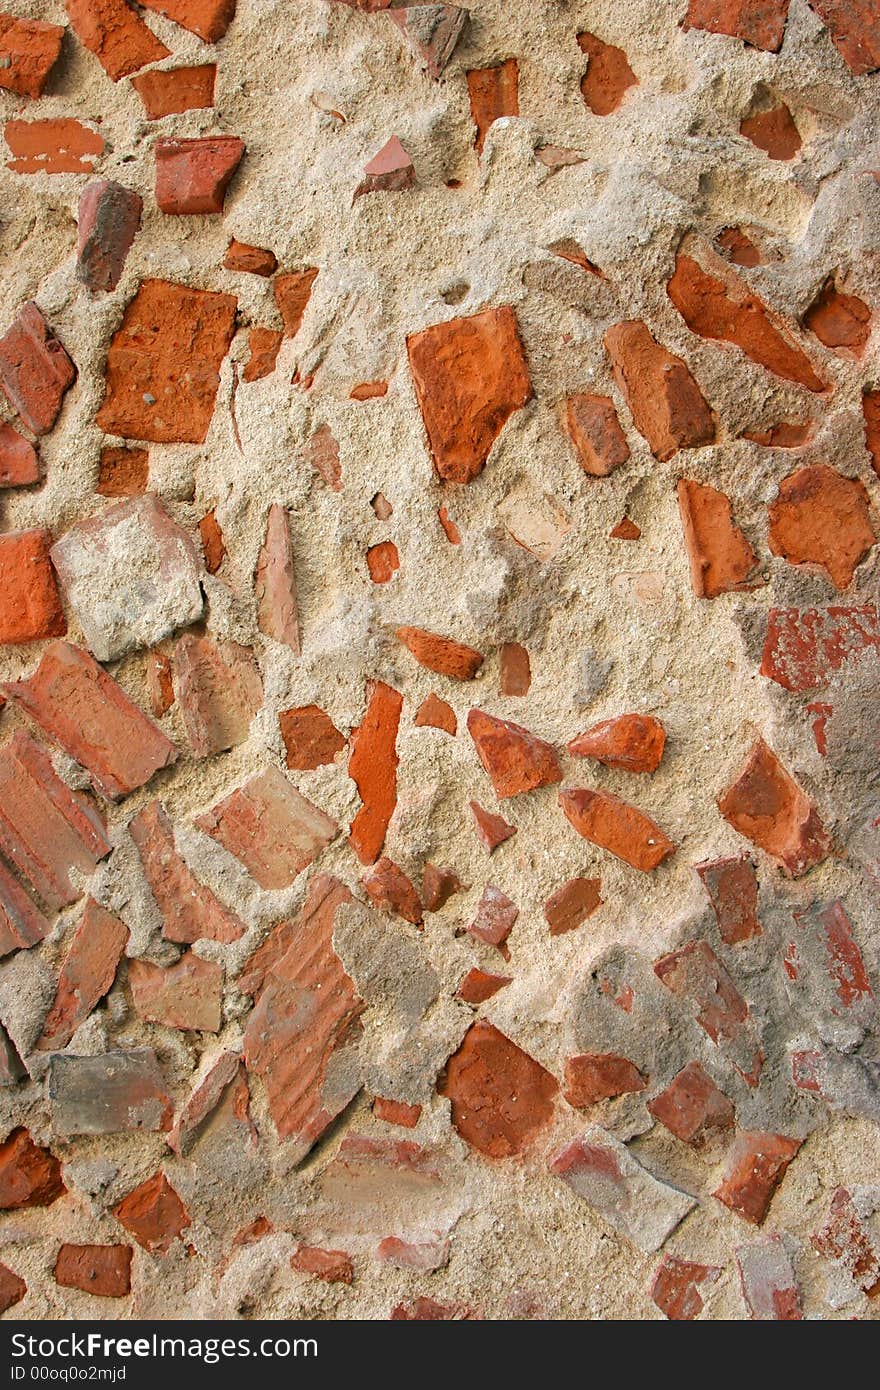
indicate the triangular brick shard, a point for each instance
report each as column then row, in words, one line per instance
column 515, row 760
column 390, row 171
column 766, row 805
column 190, row 911
column 432, row 31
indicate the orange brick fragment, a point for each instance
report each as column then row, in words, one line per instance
column 625, row 530
column 175, row 90
column 58, row 145
column 438, row 886
column 501, row 1097
column 388, row 888
column 396, row 1112
column 12, row 1288
column 822, row 518
column 435, row 713
column 292, row 293
column 765, row 804
column 592, row 1077
column 263, row 344
column 516, row 671
column 30, row 605
column 102, row 1270
column 614, row 825
column 493, row 93
column 441, row 654
column 773, row 131
column 333, row 1266
column 311, row 739
column 667, row 406
column 631, row 742
column 693, row 1108
column 116, row 34
column 571, row 905
column 30, row 1176
column 675, row 1287
column 123, row 472
column 608, row 77
column 756, row 1165
column 208, row 19
column 213, row 545
column 154, row 1214
column 383, row 562
column 516, row 760
column 841, row 321
column 254, row 260
column 595, row 432
column 492, row 830
column 86, row 975
column 29, row 49
column 480, row 985
column 190, row 911
column 721, row 559
column 19, row 464
column 372, row 766
column 270, row 827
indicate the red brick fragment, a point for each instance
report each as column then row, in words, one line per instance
column 781, row 436
column 54, row 146
column 821, row 517
column 841, row 321
column 369, row 391
column 721, row 559
column 729, row 312
column 123, row 472
column 213, row 545
column 732, row 886
column 390, row 171
column 773, row 131
column 108, row 218
column 311, row 739
column 175, row 90
column 768, row 1282
column 516, row 672
column 12, row 1287
column 396, row 1112
column 441, row 654
column 570, row 250
column 186, row 995
column 29, row 49
column 19, row 464
column 372, row 766
column 219, row 691
column 871, row 414
column 803, row 649
column 667, row 405
column 491, row 830
column 192, row 176
column 595, row 432
column 438, row 886
column 766, row 805
column 760, row 23
column 594, row 1076
column 204, row 1099
column 190, row 911
column 388, row 888
column 21, row 923
column 275, row 582
column 823, row 713
column 322, row 453
column 693, row 1108
column 424, row 1256
column 263, row 344
column 292, row 294
column 30, row 1176
column 738, row 248
column 451, row 531
column 273, row 830
column 626, row 530
column 87, row 973
column 434, row 713
column 496, row 915
column 383, row 561
column 855, row 31
column 843, row 1239
column 163, row 365
column 675, row 1287
column 254, row 260
column 631, row 742
column 479, row 985
column 694, row 973
column 501, row 1097
column 102, row 1270
column 160, row 686
column 30, row 605
column 515, row 760
column 425, row 1309
column 333, row 1266
column 35, row 370
column 756, row 1165
column 470, row 376
column 824, row 959
column 614, row 825
column 571, row 905
column 154, row 1214
column 493, row 93
column 116, row 34
column 608, row 77
column 432, row 31
column 208, row 19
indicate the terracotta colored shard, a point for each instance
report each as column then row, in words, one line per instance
column 516, row 671
column 154, row 1214
column 730, row 313
column 383, row 562
column 773, row 131
column 263, row 345
column 480, row 985
column 803, row 649
column 608, row 77
column 208, row 19
column 21, row 923
column 305, row 1014
column 192, row 176
column 841, row 321
column 438, row 886
column 721, row 559
column 495, row 919
column 425, row 1309
column 423, row 1256
column 432, row 31
column 760, row 23
column 693, row 1108
column 824, row 963
column 332, row 1266
column 675, row 1287
column 738, row 248
column 311, row 739
column 108, row 218
column 175, row 90
column 491, row 830
column 435, row 713
column 213, row 544
column 732, row 887
column 163, row 365
column 273, row 830
column 19, row 464
column 390, row 171
column 35, row 370
column 631, row 742
column 470, row 376
column 388, row 888
column 821, row 517
column 252, row 260
column 441, row 654
column 116, row 34
column 83, row 710
column 30, row 1176
column 594, row 1076
column 396, row 1112
column 372, row 766
column 369, row 391
column 614, row 825
column 501, row 1097
column 768, row 1282
column 766, row 805
column 87, row 973
column 782, row 436
column 451, row 531
column 571, row 905
column 54, row 146
column 322, row 454
column 667, row 406
column 756, row 1165
column 123, row 472
column 275, row 582
column 493, row 93
column 292, row 294
column 29, row 49
column 30, row 605
column 159, row 683
column 570, row 250
column 186, row 995
column 12, row 1287
column 625, row 530
column 102, row 1270
column 219, row 691
column 190, row 911
column 871, row 413
column 204, row 1099
column 854, row 27
column 515, row 760
column 113, row 1093
column 595, row 431
column 844, row 1239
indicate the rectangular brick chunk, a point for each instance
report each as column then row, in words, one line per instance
column 804, row 647
column 87, row 973
column 21, row 923
column 187, row 995
column 219, row 691
column 270, row 827
column 676, row 1287
column 826, row 975
column 695, row 973
column 208, row 19
column 59, row 146
column 109, row 1094
column 667, row 406
column 35, row 370
column 732, row 887
column 19, row 464
column 766, row 805
column 693, row 1108
column 493, row 93
column 30, row 604
column 756, row 1164
column 116, row 34
column 178, row 89
column 102, row 1270
column 190, row 911
column 84, row 711
column 571, row 905
column 29, row 50
column 760, row 23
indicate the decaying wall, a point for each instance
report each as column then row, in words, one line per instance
column 438, row 800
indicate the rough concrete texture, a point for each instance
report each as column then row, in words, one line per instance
column 605, row 393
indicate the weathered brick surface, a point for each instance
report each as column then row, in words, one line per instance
column 190, row 911
column 101, row 1270
column 35, row 368
column 88, row 971
column 271, row 827
column 30, row 48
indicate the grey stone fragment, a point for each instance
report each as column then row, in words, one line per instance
column 111, row 1094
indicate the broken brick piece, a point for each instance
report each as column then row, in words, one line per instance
column 693, row 1108
column 496, row 915
column 768, row 1282
column 30, row 1176
column 22, row 924
column 213, row 544
column 87, row 973
column 694, row 973
column 772, row 131
column 608, row 77
column 225, row 1073
column 515, row 760
column 12, row 1287
column 572, row 904
column 388, row 888
column 721, row 559
column 163, row 364
column 432, row 31
column 19, row 464
column 625, row 530
column 192, row 176
column 739, row 249
column 434, row 713
column 254, row 260
column 102, row 1270
column 30, row 605
column 108, row 217
column 425, row 1309
column 821, row 517
column 823, row 964
column 190, row 911
column 154, row 1214
column 169, row 92
column 35, row 370
column 270, row 827
column 595, row 432
column 451, row 531
column 479, row 985
column 493, row 93
column 756, row 1164
column 667, row 406
column 594, row 1076
column 114, row 1093
column 438, row 886
column 208, row 19
column 310, row 737
column 54, row 146
column 841, row 321
column 492, row 831
column 424, row 1256
column 370, row 391
column 766, row 805
column 631, row 742
column 187, row 995
column 116, row 34
column 263, row 344
column 321, row 452
column 441, row 654
column 614, row 825
column 372, row 766
column 160, row 686
column 803, row 649
column 383, row 561
column 292, row 293
column 275, row 582
column 854, row 32
column 501, row 1097
column 390, row 171
column 396, row 1112
column 219, row 691
column 29, row 49
column 843, row 1239
column 470, row 376
column 333, row 1266
column 760, row 23
column 675, row 1287
column 516, row 672
column 123, row 472
column 732, row 888
column 785, row 435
